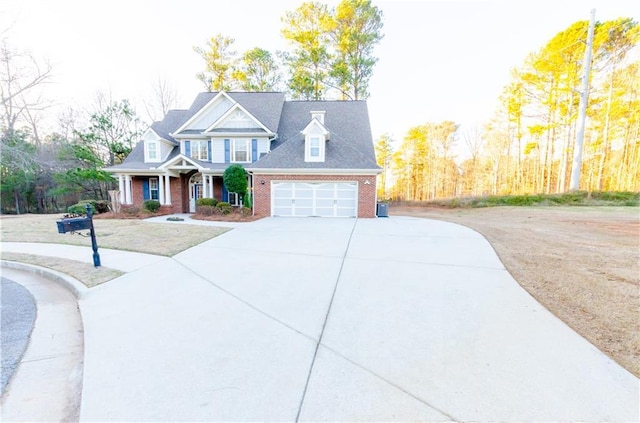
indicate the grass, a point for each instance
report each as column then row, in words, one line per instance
column 574, row 198
column 84, row 272
column 128, row 235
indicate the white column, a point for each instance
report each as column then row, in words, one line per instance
column 127, row 190
column 210, row 186
column 205, row 185
column 167, row 187
column 161, row 189
column 121, row 188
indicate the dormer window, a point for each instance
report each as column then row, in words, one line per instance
column 316, row 136
column 314, row 147
column 151, row 151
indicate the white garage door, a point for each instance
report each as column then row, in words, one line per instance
column 325, row 199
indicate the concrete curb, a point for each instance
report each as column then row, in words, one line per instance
column 77, row 288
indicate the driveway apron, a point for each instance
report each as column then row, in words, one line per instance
column 339, row 319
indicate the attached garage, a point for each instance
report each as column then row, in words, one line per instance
column 323, row 199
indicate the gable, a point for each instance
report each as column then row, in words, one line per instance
column 236, row 118
column 208, row 114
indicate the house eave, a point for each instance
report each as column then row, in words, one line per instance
column 306, row 171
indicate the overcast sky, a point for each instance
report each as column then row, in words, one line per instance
column 438, row 60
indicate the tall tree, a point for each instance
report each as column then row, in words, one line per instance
column 307, row 29
column 357, row 30
column 384, row 153
column 220, row 61
column 258, row 71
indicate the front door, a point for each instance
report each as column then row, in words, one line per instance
column 195, row 191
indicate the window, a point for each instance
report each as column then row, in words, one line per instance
column 241, row 151
column 199, row 150
column 314, row 147
column 152, row 151
column 234, row 199
column 153, row 189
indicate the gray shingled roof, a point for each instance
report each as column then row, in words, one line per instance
column 350, row 145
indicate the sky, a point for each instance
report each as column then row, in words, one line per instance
column 438, row 60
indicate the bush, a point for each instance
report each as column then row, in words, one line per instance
column 248, row 201
column 224, row 207
column 81, row 208
column 205, row 210
column 151, row 205
column 206, row 202
column 102, row 206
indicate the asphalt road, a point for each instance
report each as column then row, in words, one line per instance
column 17, row 315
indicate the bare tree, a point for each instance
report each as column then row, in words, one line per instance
column 164, row 99
column 20, row 77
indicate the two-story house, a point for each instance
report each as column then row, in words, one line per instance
column 303, row 158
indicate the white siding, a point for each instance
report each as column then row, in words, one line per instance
column 212, row 114
column 264, row 146
column 238, row 119
column 217, row 150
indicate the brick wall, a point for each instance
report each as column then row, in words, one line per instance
column 137, row 195
column 366, row 192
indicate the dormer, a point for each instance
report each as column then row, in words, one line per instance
column 156, row 148
column 315, row 137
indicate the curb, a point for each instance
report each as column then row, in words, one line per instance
column 77, row 288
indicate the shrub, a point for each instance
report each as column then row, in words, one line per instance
column 132, row 210
column 224, row 207
column 205, row 210
column 206, row 202
column 151, row 205
column 246, row 212
column 81, row 208
column 175, row 219
column 102, row 206
column 248, row 201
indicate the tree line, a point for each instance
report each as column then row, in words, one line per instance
column 528, row 146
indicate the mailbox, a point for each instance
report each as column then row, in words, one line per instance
column 73, row 224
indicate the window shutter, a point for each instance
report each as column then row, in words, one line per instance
column 187, row 148
column 254, row 150
column 225, row 193
column 209, row 151
column 145, row 189
column 227, row 150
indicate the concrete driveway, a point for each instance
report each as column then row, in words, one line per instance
column 397, row 319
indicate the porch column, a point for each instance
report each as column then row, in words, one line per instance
column 167, row 187
column 205, row 185
column 161, row 189
column 121, row 188
column 127, row 189
column 210, row 186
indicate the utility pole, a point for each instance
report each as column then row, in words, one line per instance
column 582, row 117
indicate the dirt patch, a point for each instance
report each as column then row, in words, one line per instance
column 581, row 263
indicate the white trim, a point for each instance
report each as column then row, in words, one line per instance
column 180, row 157
column 231, row 110
column 232, row 143
column 303, row 171
column 201, row 112
column 321, row 148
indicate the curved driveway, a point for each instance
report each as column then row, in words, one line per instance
column 397, row 319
